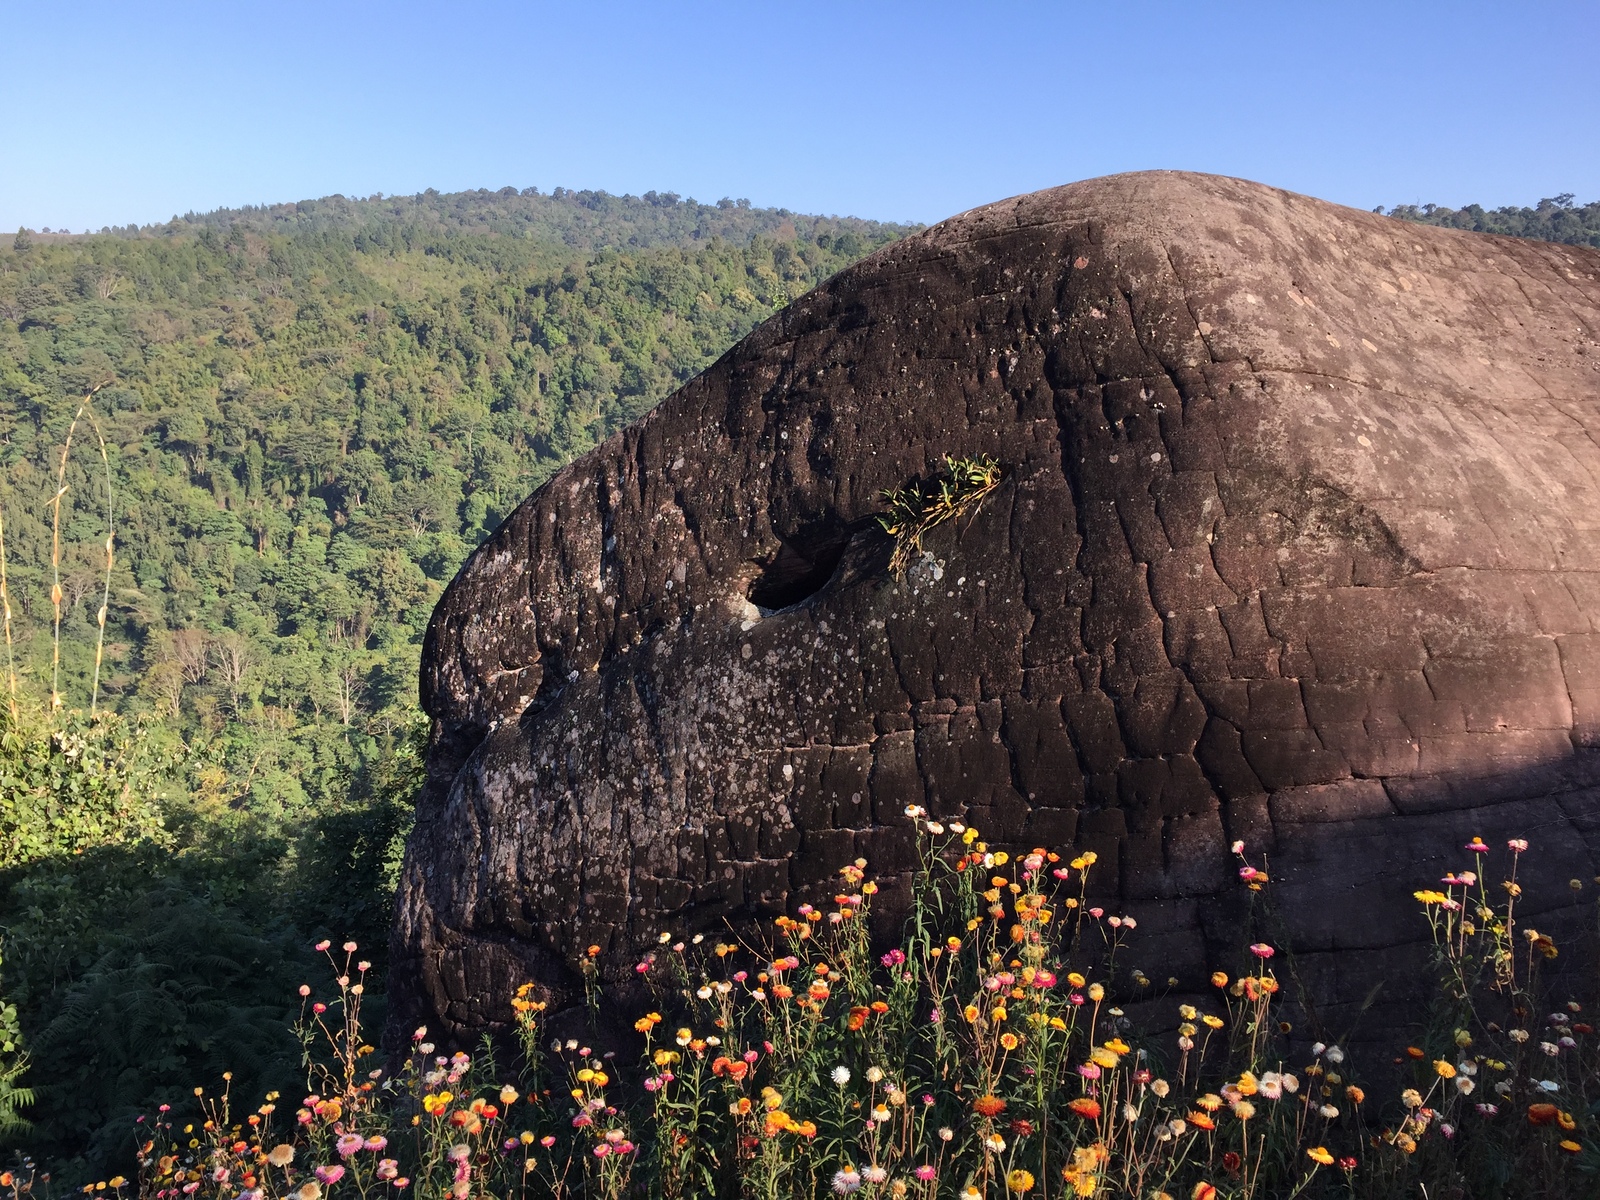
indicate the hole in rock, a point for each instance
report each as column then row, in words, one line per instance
column 801, row 569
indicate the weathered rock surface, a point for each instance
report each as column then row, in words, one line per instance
column 1299, row 542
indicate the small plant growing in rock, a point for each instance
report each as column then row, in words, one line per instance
column 919, row 507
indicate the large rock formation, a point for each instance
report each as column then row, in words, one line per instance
column 1298, row 542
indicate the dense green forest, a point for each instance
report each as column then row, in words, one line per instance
column 1553, row 219
column 311, row 414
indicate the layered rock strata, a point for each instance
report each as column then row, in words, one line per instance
column 1298, row 543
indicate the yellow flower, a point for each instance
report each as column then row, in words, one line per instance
column 970, row 1012
column 1101, row 1057
column 1411, row 1098
column 1247, row 1084
column 1010, row 1041
column 1075, row 979
column 1319, row 1154
column 1118, row 1046
column 1405, row 1142
column 1210, row 1102
column 1243, row 1109
column 1019, row 1181
column 508, row 1095
column 1213, row 1022
column 435, row 1104
column 1431, row 897
column 1444, row 1070
column 1219, row 979
column 1096, row 993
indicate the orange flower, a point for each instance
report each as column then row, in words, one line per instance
column 1566, row 1121
column 858, row 1016
column 1086, row 1108
column 1570, row 1146
column 989, row 1105
column 1201, row 1120
column 1413, row 1052
column 1541, row 1114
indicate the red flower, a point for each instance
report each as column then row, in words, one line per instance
column 1230, row 1162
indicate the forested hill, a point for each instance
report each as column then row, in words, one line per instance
column 317, row 409
column 1553, row 219
column 584, row 220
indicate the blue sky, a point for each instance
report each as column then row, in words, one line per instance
column 132, row 111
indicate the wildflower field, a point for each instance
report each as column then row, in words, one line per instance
column 986, row 1055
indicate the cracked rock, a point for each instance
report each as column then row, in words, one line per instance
column 1298, row 542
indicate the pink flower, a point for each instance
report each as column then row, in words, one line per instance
column 1089, row 1071
column 750, row 1056
column 642, row 967
column 894, row 958
column 547, row 1141
column 377, row 1143
column 330, row 1175
column 1043, row 979
column 1097, row 913
column 305, row 989
column 349, row 947
column 1518, row 845
column 1060, row 872
column 319, row 1008
column 349, row 1144
column 322, row 945
column 925, row 1172
column 1262, row 950
column 388, row 1168
column 602, row 1150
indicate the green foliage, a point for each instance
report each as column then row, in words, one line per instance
column 77, row 783
column 1553, row 219
column 317, row 410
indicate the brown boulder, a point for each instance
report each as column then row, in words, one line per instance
column 1298, row 543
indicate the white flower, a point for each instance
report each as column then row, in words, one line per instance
column 846, row 1181
column 874, row 1074
column 946, row 1133
column 841, row 1075
column 1130, row 1114
column 1317, row 1048
column 995, row 1142
column 935, row 828
column 1334, row 1055
column 1160, row 1087
column 1550, row 1048
column 874, row 1174
column 1328, row 1111
column 1517, row 1035
column 957, row 827
column 1464, row 1085
column 1291, row 1084
column 704, row 993
column 915, row 810
column 1548, row 1085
